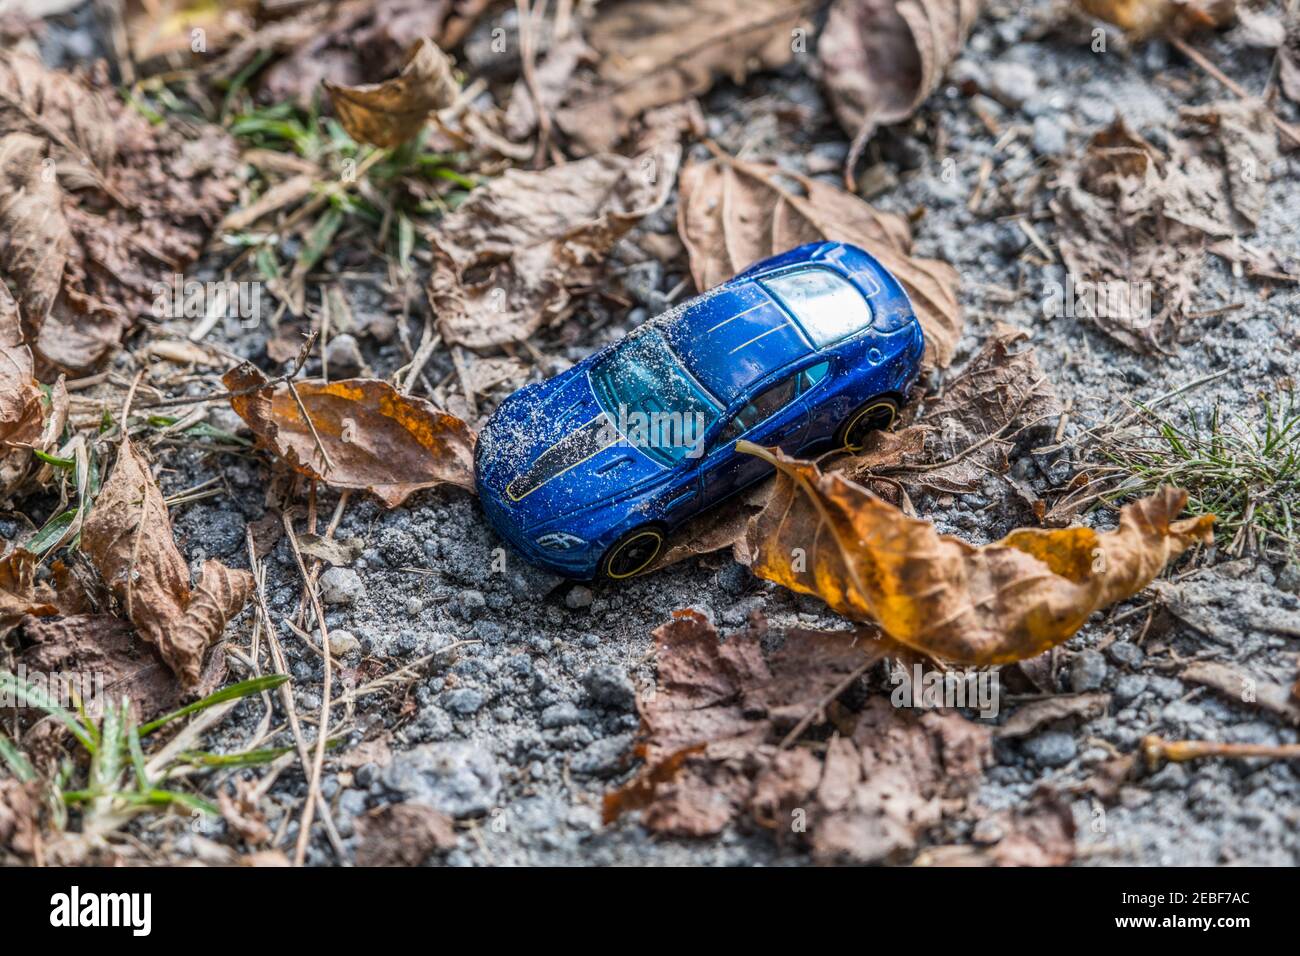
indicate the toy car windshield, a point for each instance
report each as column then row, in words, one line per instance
column 641, row 379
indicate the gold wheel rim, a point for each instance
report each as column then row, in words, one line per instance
column 609, row 564
column 893, row 414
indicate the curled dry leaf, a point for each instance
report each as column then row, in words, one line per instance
column 1000, row 398
column 508, row 260
column 1006, row 601
column 880, row 59
column 128, row 538
column 347, row 43
column 1147, row 18
column 30, row 420
column 20, row 595
column 655, row 52
column 719, row 703
column 388, row 113
column 97, row 207
column 731, row 213
column 374, row 438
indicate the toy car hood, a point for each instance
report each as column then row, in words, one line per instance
column 549, row 455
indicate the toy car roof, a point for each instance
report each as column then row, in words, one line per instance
column 735, row 335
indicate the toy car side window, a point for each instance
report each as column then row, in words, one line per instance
column 766, row 404
column 812, row 375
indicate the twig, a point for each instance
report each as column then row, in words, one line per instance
column 1156, row 750
column 311, row 426
column 322, row 731
column 825, row 701
column 286, row 695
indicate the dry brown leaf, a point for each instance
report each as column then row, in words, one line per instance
column 97, row 207
column 1000, row 398
column 1147, row 18
column 718, row 704
column 1039, row 834
column 1029, row 717
column 712, row 729
column 348, row 43
column 402, row 834
column 1244, row 688
column 107, row 647
column 375, row 438
column 20, row 805
column 1133, row 220
column 29, row 419
column 894, row 777
column 389, row 113
column 731, row 213
column 162, row 32
column 20, row 595
column 656, row 52
column 1006, row 601
column 508, row 260
column 880, row 59
column 128, row 537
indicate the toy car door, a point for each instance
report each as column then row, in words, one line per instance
column 774, row 417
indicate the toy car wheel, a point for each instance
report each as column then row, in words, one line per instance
column 632, row 553
column 873, row 415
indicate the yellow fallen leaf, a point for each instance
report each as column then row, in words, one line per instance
column 1013, row 599
column 1146, row 18
column 358, row 433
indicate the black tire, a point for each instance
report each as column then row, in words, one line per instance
column 875, row 414
column 633, row 553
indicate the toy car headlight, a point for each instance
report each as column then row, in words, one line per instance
column 560, row 541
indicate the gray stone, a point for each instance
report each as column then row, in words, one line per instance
column 1012, row 83
column 610, row 686
column 1128, row 688
column 341, row 586
column 559, row 715
column 344, row 355
column 603, row 758
column 344, row 643
column 1126, row 653
column 1088, row 671
column 471, row 603
column 578, row 597
column 1055, row 748
column 1049, row 137
column 463, row 701
column 456, row 777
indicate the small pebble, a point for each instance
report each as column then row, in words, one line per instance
column 341, row 586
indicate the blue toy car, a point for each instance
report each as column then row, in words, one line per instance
column 587, row 473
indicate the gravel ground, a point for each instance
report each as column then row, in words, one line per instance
column 520, row 733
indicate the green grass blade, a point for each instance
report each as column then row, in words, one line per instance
column 233, row 692
column 11, row 686
column 18, row 764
